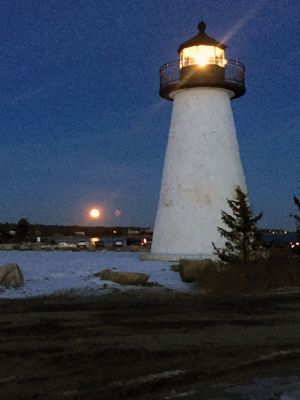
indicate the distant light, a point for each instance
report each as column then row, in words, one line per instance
column 145, row 241
column 95, row 213
column 294, row 244
column 95, row 240
column 115, row 232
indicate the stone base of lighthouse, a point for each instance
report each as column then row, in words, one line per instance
column 202, row 170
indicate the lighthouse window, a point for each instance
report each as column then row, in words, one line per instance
column 202, row 55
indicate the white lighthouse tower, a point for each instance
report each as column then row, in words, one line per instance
column 202, row 165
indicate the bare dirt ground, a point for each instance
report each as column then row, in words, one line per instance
column 147, row 344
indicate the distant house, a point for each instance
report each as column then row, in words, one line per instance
column 133, row 231
column 80, row 233
column 83, row 245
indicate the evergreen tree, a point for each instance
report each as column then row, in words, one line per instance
column 241, row 237
column 22, row 228
column 297, row 217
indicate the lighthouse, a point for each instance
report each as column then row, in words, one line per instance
column 202, row 166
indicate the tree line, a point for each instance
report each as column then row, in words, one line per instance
column 23, row 230
column 242, row 238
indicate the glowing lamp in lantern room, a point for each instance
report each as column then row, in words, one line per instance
column 202, row 59
column 202, row 55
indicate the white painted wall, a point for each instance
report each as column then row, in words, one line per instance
column 202, row 169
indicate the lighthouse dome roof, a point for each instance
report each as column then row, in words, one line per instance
column 201, row 39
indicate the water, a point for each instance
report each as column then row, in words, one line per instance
column 285, row 238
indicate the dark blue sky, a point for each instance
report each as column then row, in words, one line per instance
column 81, row 120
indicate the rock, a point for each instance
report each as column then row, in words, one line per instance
column 124, row 278
column 190, row 270
column 174, row 267
column 11, row 276
column 7, row 246
column 24, row 247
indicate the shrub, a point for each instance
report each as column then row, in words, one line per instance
column 258, row 276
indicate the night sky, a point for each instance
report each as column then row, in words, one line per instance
column 82, row 124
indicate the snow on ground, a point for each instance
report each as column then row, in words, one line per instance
column 49, row 272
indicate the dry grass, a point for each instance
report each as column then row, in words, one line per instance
column 281, row 270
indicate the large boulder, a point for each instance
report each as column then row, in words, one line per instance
column 191, row 270
column 174, row 267
column 11, row 276
column 124, row 278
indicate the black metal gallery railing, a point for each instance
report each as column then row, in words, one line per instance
column 233, row 78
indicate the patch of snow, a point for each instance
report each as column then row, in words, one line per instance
column 139, row 380
column 50, row 272
column 277, row 388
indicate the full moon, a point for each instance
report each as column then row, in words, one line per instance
column 95, row 213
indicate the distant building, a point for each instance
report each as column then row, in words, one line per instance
column 133, row 231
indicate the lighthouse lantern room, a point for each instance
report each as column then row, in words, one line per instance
column 202, row 165
column 202, row 50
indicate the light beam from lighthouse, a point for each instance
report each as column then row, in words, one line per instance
column 202, row 166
